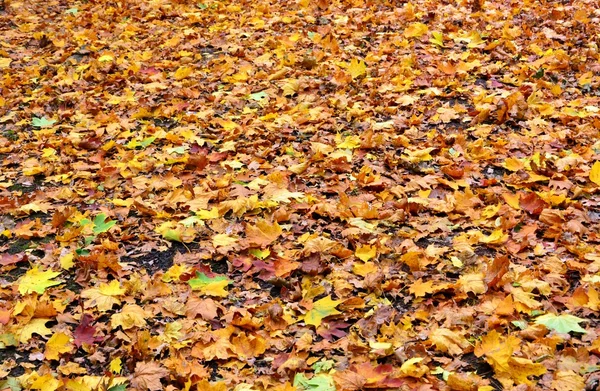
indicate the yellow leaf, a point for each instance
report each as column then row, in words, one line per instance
column 182, row 72
column 66, row 261
column 104, row 296
column 45, row 383
column 5, row 62
column 175, row 272
column 57, row 344
column 106, row 58
column 131, row 316
column 321, row 309
column 420, row 288
column 496, row 237
column 438, row 39
column 37, row 281
column 595, row 173
column 223, row 240
column 76, row 385
column 35, row 326
column 115, row 365
column 411, row 367
column 415, row 30
column 512, row 200
column 364, row 253
column 513, row 164
column 350, row 142
column 214, row 286
column 357, row 68
column 208, row 214
column 363, row 269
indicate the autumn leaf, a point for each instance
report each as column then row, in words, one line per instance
column 104, row 297
column 366, row 252
column 448, row 341
column 564, row 323
column 595, row 173
column 130, row 316
column 357, row 68
column 214, row 286
column 321, row 309
column 58, row 344
column 34, row 326
column 416, row 30
column 148, row 375
column 263, row 233
column 37, row 281
column 5, row 62
column 42, row 122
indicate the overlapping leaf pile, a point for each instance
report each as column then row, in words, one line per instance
column 299, row 195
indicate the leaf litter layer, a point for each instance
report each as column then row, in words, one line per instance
column 299, row 195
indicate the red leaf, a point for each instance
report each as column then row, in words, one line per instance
column 84, row 333
column 532, row 203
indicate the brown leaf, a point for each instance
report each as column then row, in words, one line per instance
column 532, row 203
column 263, row 233
column 147, row 376
column 206, row 308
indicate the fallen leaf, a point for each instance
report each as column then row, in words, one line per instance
column 321, row 309
column 148, row 375
column 37, row 281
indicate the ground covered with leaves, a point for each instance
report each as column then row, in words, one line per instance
column 299, row 195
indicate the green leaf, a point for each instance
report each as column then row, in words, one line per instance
column 210, row 286
column 118, row 387
column 11, row 384
column 320, row 382
column 259, row 96
column 260, row 254
column 562, row 323
column 72, row 11
column 42, row 122
column 101, row 225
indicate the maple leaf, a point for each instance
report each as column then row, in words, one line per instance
column 35, row 326
column 37, row 281
column 595, row 173
column 57, row 344
column 320, row 310
column 416, row 30
column 101, row 225
column 148, row 375
column 357, row 68
column 5, row 62
column 84, row 332
column 263, row 233
column 330, row 330
column 131, row 315
column 564, row 323
column 104, row 296
column 206, row 308
column 45, row 383
column 366, row 252
column 42, row 122
column 214, row 286
column 448, row 341
column 320, row 382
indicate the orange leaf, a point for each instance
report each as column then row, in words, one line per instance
column 263, row 233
